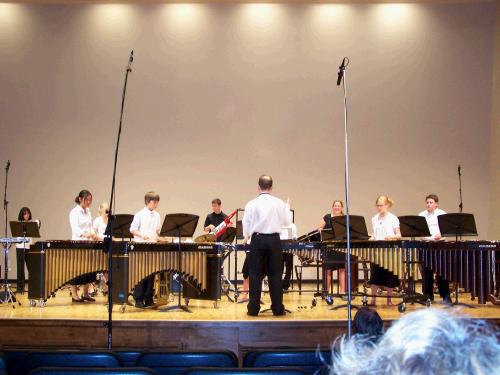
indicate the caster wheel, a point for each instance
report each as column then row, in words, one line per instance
column 122, row 309
column 216, row 304
column 43, row 303
column 365, row 301
column 314, row 302
column 19, row 303
column 402, row 308
column 329, row 300
column 428, row 303
column 32, row 303
column 187, row 301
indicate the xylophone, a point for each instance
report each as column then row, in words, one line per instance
column 53, row 264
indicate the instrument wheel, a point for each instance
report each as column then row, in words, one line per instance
column 122, row 308
column 42, row 303
column 32, row 303
column 329, row 299
column 428, row 303
column 402, row 307
column 365, row 301
column 314, row 302
column 186, row 301
column 216, row 304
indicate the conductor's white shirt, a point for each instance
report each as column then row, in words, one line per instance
column 147, row 222
column 384, row 226
column 432, row 221
column 265, row 214
column 80, row 220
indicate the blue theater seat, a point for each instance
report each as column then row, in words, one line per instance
column 92, row 370
column 312, row 361
column 3, row 362
column 173, row 363
column 128, row 358
column 244, row 371
column 68, row 359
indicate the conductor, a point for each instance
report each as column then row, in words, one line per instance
column 264, row 217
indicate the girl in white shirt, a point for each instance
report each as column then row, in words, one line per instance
column 80, row 220
column 101, row 221
column 385, row 228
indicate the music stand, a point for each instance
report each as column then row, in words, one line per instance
column 412, row 226
column 22, row 229
column 357, row 227
column 326, row 235
column 228, row 236
column 357, row 231
column 121, row 226
column 179, row 225
column 458, row 225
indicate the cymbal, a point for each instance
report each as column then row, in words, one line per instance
column 209, row 237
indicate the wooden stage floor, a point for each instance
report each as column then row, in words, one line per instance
column 63, row 324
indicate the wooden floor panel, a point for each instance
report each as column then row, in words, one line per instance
column 63, row 324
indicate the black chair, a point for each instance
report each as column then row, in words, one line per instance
column 68, row 359
column 173, row 363
column 244, row 371
column 92, row 370
column 311, row 361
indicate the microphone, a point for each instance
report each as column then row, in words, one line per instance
column 341, row 71
column 8, row 166
column 131, row 58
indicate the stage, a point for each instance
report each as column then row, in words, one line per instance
column 63, row 324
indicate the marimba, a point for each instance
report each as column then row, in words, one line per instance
column 53, row 264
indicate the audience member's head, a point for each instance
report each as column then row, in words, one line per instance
column 367, row 322
column 426, row 342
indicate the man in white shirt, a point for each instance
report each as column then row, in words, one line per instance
column 264, row 217
column 146, row 227
column 431, row 213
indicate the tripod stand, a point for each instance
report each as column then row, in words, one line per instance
column 179, row 225
column 458, row 225
column 412, row 226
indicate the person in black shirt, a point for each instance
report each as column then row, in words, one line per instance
column 215, row 218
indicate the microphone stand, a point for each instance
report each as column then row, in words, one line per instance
column 8, row 296
column 108, row 239
column 460, row 206
column 342, row 77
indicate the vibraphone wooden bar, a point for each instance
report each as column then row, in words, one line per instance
column 52, row 264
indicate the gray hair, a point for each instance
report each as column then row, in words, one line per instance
column 425, row 342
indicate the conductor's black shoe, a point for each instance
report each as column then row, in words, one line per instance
column 140, row 304
column 90, row 299
column 149, row 302
column 252, row 313
column 280, row 313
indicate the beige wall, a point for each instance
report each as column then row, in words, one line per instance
column 220, row 94
column 494, row 217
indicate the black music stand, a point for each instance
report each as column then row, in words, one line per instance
column 24, row 229
column 179, row 225
column 412, row 226
column 357, row 227
column 228, row 236
column 458, row 225
column 121, row 226
column 357, row 231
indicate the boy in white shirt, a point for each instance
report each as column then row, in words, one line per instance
column 431, row 213
column 146, row 227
